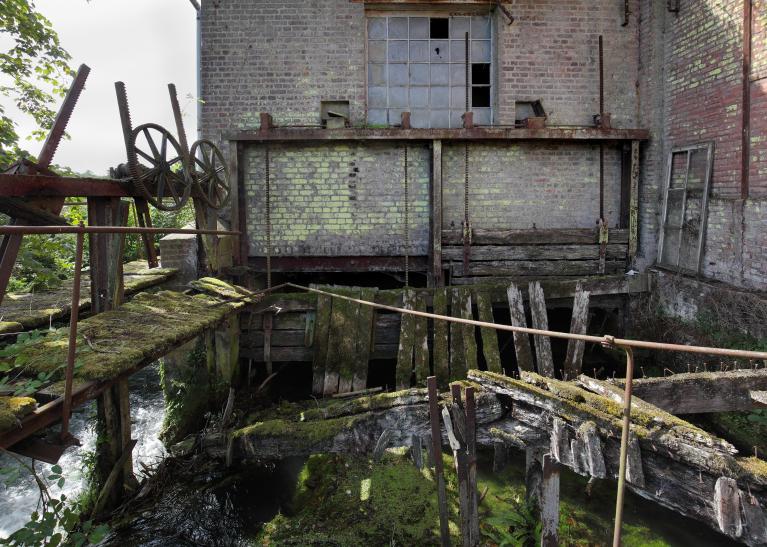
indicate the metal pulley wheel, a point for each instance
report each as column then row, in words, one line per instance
column 156, row 163
column 210, row 173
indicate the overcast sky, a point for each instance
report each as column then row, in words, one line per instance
column 146, row 44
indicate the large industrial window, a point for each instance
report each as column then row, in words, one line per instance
column 685, row 207
column 418, row 65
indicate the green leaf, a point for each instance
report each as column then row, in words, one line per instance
column 56, row 469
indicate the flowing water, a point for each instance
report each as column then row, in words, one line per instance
column 20, row 498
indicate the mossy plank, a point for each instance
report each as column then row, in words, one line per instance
column 321, row 332
column 489, row 336
column 406, row 342
column 457, row 354
column 12, row 409
column 469, row 340
column 521, row 340
column 365, row 326
column 143, row 329
column 578, row 325
column 342, row 345
column 541, row 322
column 421, row 342
column 441, row 339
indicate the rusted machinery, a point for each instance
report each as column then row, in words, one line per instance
column 164, row 169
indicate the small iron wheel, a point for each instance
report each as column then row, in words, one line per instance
column 210, row 173
column 165, row 182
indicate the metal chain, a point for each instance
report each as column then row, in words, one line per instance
column 407, row 223
column 267, row 177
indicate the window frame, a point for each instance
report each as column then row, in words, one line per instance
column 452, row 111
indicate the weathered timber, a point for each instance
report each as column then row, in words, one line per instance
column 540, row 321
column 576, row 236
column 421, row 342
column 441, row 349
column 550, row 502
column 702, row 392
column 469, row 340
column 518, row 319
column 614, row 251
column 320, row 346
column 365, row 325
column 340, row 360
column 578, row 325
column 543, row 268
column 457, row 354
column 406, row 343
column 680, row 463
column 758, row 399
column 489, row 336
column 436, row 277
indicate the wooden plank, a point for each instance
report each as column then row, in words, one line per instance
column 633, row 238
column 457, row 360
column 342, row 343
column 435, row 220
column 365, row 325
column 536, row 252
column 489, row 336
column 421, row 342
column 759, row 399
column 406, row 342
column 321, row 333
column 582, row 236
column 550, row 502
column 469, row 340
column 541, row 321
column 681, row 393
column 441, row 350
column 521, row 340
column 578, row 325
column 543, row 268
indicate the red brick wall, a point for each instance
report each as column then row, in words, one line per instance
column 758, row 179
column 703, row 84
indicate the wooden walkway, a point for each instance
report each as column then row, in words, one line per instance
column 25, row 311
column 111, row 346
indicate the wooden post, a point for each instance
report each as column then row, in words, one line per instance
column 578, row 325
column 461, row 464
column 436, row 440
column 521, row 340
column 113, row 405
column 634, row 204
column 238, row 202
column 541, row 322
column 436, row 277
column 471, row 446
column 550, row 502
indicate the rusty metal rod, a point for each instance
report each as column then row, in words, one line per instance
column 606, row 340
column 108, row 230
column 72, row 347
column 624, row 446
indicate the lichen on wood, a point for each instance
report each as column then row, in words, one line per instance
column 12, row 409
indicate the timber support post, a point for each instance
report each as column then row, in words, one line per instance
column 114, row 464
column 436, row 274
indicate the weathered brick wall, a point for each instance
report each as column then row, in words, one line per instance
column 703, row 102
column 338, row 199
column 280, row 56
column 524, row 185
column 551, row 53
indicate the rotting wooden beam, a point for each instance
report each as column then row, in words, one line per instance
column 489, row 336
column 435, row 219
column 702, row 392
column 500, row 253
column 406, row 351
column 420, row 343
column 543, row 354
column 441, row 350
column 550, row 502
column 578, row 325
column 633, row 239
column 521, row 340
column 573, row 236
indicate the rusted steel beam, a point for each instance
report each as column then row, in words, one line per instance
column 475, row 133
column 338, row 263
column 49, row 186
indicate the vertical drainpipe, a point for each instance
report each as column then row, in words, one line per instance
column 198, row 47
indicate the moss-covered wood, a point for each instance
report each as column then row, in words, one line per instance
column 320, row 344
column 139, row 331
column 406, row 350
column 441, row 350
column 457, row 354
column 421, row 343
column 489, row 336
column 342, row 345
column 364, row 338
column 13, row 409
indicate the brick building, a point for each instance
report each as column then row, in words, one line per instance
column 683, row 83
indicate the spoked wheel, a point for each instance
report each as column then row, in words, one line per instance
column 210, row 173
column 157, row 167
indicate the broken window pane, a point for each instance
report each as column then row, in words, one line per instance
column 439, row 50
column 439, row 28
column 480, row 97
column 480, row 74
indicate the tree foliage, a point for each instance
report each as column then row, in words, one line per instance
column 35, row 71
